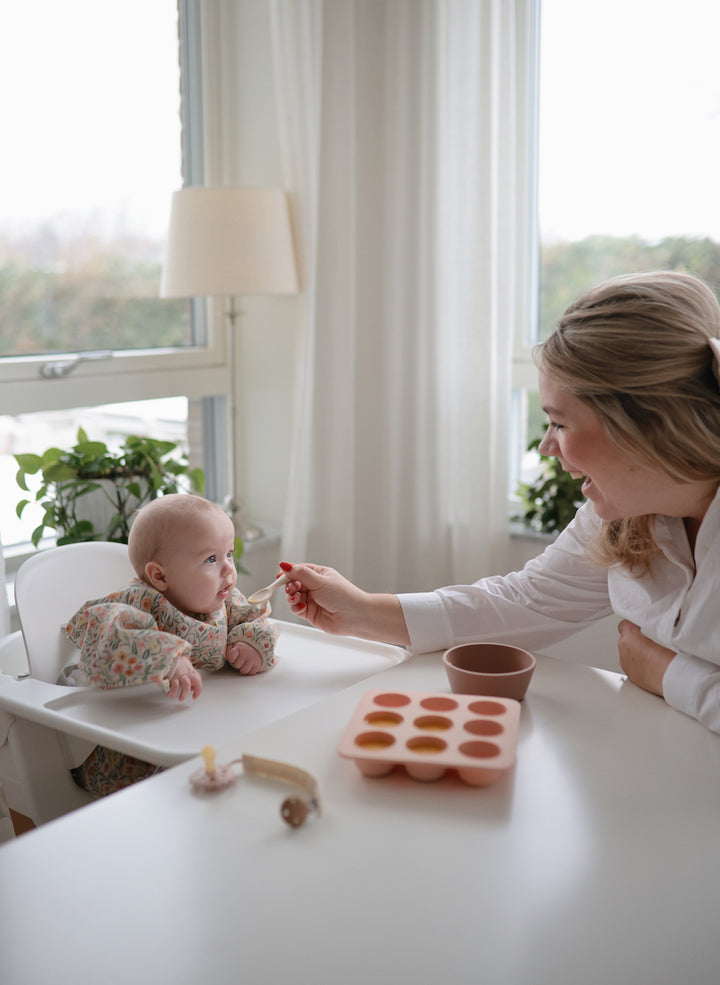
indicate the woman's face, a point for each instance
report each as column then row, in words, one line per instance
column 616, row 483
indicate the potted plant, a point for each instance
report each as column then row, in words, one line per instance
column 551, row 501
column 90, row 493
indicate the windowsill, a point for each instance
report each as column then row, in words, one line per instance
column 270, row 537
column 520, row 531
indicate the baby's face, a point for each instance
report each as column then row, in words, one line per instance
column 199, row 567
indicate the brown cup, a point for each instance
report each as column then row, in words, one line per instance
column 496, row 669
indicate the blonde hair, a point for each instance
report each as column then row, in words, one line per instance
column 635, row 349
column 158, row 525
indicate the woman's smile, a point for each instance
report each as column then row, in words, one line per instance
column 616, row 482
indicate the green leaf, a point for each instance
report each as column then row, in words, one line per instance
column 49, row 517
column 82, row 530
column 91, row 449
column 197, row 478
column 29, row 463
column 58, row 471
column 238, row 550
column 50, row 455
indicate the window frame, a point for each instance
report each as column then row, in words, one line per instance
column 194, row 371
column 523, row 370
column 199, row 372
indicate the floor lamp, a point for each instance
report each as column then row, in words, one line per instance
column 229, row 242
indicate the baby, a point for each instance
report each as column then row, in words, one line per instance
column 181, row 614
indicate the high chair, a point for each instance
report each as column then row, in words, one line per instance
column 50, row 586
column 46, row 729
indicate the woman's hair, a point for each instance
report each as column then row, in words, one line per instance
column 158, row 526
column 635, row 349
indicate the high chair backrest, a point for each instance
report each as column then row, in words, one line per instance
column 52, row 585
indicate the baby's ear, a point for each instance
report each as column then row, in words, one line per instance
column 155, row 575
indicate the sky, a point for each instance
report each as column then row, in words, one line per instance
column 629, row 95
column 630, row 118
column 99, row 116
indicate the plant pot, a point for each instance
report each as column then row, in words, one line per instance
column 101, row 506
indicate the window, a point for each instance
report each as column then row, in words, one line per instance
column 95, row 139
column 97, row 154
column 629, row 151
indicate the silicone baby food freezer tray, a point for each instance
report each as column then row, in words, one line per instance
column 428, row 733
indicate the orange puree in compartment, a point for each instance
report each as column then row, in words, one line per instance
column 430, row 724
column 373, row 742
column 384, row 721
column 426, row 748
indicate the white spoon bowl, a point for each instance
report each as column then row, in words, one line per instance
column 263, row 594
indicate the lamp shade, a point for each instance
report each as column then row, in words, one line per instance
column 229, row 241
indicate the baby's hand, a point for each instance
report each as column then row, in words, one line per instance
column 184, row 680
column 244, row 658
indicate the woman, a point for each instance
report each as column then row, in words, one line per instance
column 630, row 381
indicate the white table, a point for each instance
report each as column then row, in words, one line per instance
column 594, row 861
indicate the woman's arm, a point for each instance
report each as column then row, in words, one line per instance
column 554, row 596
column 643, row 660
column 688, row 684
column 332, row 603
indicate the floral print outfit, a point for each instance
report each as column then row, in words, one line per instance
column 135, row 636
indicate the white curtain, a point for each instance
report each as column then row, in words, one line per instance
column 4, row 604
column 404, row 126
column 7, row 831
column 6, row 827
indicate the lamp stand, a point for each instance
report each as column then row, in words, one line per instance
column 245, row 530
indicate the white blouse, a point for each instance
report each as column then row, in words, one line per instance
column 676, row 604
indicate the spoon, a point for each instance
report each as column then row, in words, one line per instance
column 263, row 594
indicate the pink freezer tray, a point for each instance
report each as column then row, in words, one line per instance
column 429, row 733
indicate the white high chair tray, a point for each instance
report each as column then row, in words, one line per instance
column 141, row 721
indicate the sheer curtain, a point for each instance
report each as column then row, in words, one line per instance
column 4, row 605
column 6, row 827
column 405, row 142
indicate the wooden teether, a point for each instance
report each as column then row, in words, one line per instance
column 294, row 809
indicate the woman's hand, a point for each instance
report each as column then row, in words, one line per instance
column 643, row 660
column 331, row 603
column 323, row 597
column 184, row 680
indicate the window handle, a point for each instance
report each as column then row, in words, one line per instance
column 63, row 367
